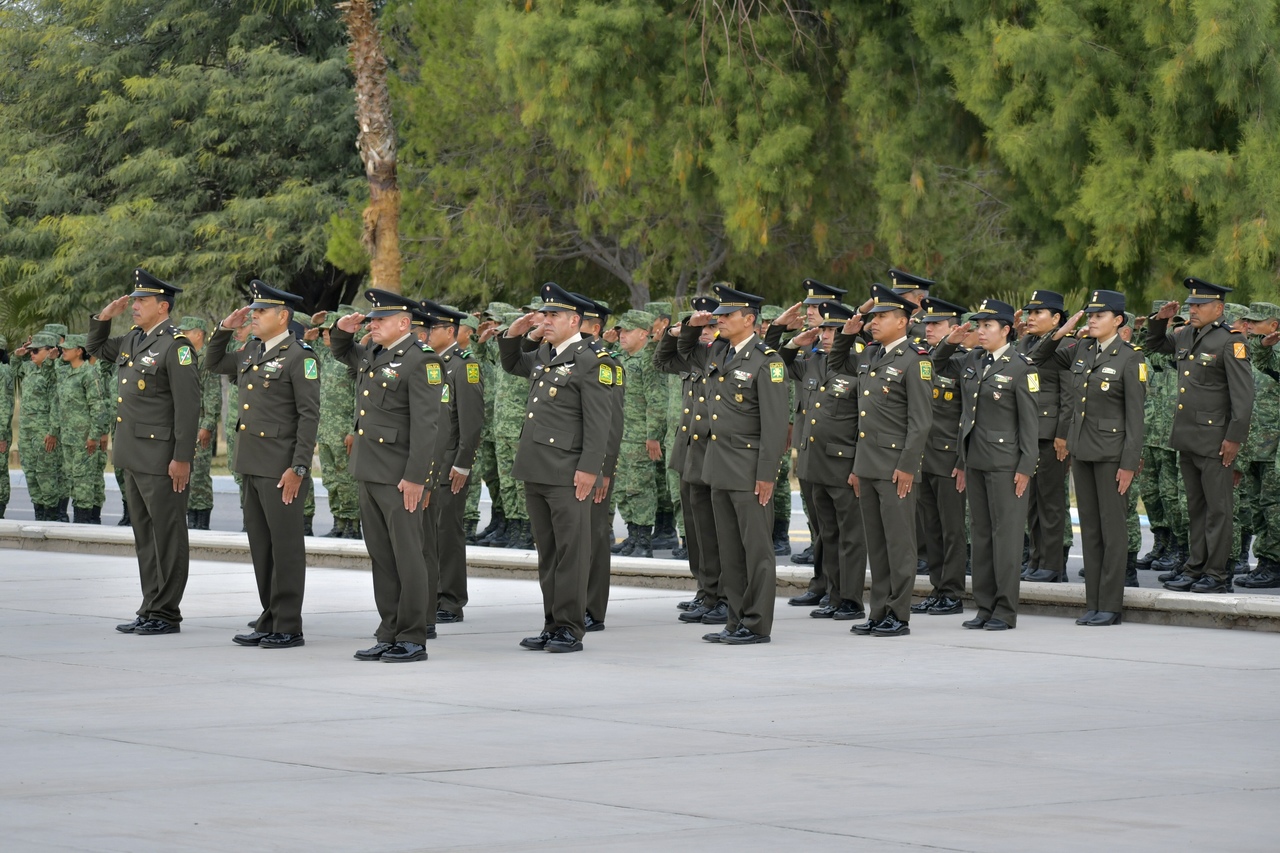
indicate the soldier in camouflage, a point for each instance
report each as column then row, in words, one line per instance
column 200, row 504
column 1160, row 481
column 1260, row 480
column 38, row 423
column 510, row 397
column 643, row 422
column 82, row 429
column 486, row 470
column 665, row 531
column 337, row 414
column 6, row 420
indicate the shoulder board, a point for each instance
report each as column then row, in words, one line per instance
column 176, row 332
column 1135, row 348
column 304, row 345
column 425, row 348
column 465, row 353
column 920, row 348
column 765, row 348
column 1234, row 331
column 1026, row 359
column 597, row 346
column 131, row 328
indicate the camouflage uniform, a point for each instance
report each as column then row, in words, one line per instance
column 82, row 417
column 665, row 505
column 38, row 417
column 510, row 397
column 201, row 498
column 1261, row 482
column 643, row 419
column 675, row 407
column 337, row 414
column 231, row 417
column 1160, row 483
column 486, row 464
column 6, row 424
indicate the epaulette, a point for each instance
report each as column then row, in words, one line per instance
column 177, row 333
column 425, row 348
column 306, row 346
column 1026, row 359
column 920, row 348
column 597, row 347
column 465, row 353
column 1233, row 331
column 765, row 348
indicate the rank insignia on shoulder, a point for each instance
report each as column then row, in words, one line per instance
column 921, row 349
column 444, row 394
column 473, row 374
column 1239, row 350
column 858, row 347
column 618, row 377
column 433, row 374
column 926, row 370
column 1033, row 383
column 309, row 368
column 606, row 375
column 777, row 372
column 1142, row 371
column 184, row 355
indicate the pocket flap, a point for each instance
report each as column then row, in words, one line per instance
column 940, row 443
column 895, row 442
column 844, row 451
column 156, row 431
column 750, row 442
column 263, row 430
column 1211, row 418
column 379, row 435
column 553, row 438
column 1110, row 424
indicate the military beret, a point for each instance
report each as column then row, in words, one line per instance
column 188, row 323
column 634, row 319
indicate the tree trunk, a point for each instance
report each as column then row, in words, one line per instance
column 377, row 145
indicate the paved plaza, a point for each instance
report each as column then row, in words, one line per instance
column 1050, row 737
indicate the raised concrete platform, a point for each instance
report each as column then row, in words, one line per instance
column 1154, row 606
column 1050, row 737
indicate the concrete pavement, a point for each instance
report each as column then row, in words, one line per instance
column 1050, row 737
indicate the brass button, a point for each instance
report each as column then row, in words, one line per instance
column 686, row 411
column 131, row 364
column 551, row 441
column 715, row 417
column 540, row 384
column 262, row 434
column 531, row 414
column 361, row 432
column 862, row 435
column 249, row 386
column 124, row 381
column 379, row 441
column 862, row 414
column 695, row 436
column 697, row 417
column 370, row 373
column 119, row 420
column 255, row 367
column 1186, row 373
column 242, row 426
column 362, row 413
column 822, row 387
column 1179, row 407
column 839, row 453
column 704, row 399
column 119, row 399
column 813, row 421
column 1182, row 390
column 866, row 393
column 721, row 379
column 153, row 436
column 684, row 429
column 366, row 393
column 817, row 405
column 1001, row 440
column 384, row 385
column 246, row 405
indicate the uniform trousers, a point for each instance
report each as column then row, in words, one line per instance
column 1104, row 533
column 818, row 583
column 158, row 516
column 445, row 549
column 393, row 537
column 562, row 533
column 890, row 527
column 941, row 514
column 748, row 567
column 279, row 556
column 997, row 517
column 700, row 537
column 838, row 515
column 1047, row 511
column 601, row 539
column 1210, row 507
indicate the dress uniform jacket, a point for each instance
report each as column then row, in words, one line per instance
column 940, row 508
column 1047, row 506
column 942, row 450
column 598, row 576
column 460, row 442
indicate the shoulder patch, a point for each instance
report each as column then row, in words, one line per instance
column 777, row 371
column 309, row 369
column 606, row 374
column 1239, row 350
column 1033, row 383
column 184, row 355
column 433, row 373
column 926, row 370
column 473, row 374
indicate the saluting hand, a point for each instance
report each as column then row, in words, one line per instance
column 700, row 318
column 806, row 338
column 114, row 308
column 959, row 333
column 1166, row 312
column 852, row 326
column 236, row 318
column 791, row 318
column 1068, row 326
column 521, row 325
column 350, row 323
column 1271, row 339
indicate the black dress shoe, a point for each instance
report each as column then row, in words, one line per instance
column 690, row 604
column 590, row 624
column 848, row 611
column 278, row 640
column 1026, row 570
column 715, row 636
column 891, row 626
column 1088, row 614
column 404, row 652
column 374, row 652
column 824, row 601
column 744, row 637
column 694, row 614
column 130, row 627
column 253, row 623
column 946, row 606
column 718, row 615
column 864, row 629
column 975, row 624
column 537, row 643
column 823, row 612
column 922, row 567
column 1044, row 576
column 447, row 617
column 1104, row 617
column 431, row 632
column 156, row 626
column 925, row 605
column 1208, row 584
column 249, row 639
column 563, row 640
column 1182, row 583
column 997, row 625
column 805, row 599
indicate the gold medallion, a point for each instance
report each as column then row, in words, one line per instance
column 737, row 398
column 142, row 384
column 1104, row 385
column 553, row 390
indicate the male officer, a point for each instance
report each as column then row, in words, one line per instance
column 825, row 441
column 158, row 410
column 278, row 378
column 913, row 289
column 6, row 421
column 335, row 438
column 1044, row 313
column 747, row 400
column 399, row 410
column 1215, row 403
column 445, row 537
column 561, row 454
column 940, row 506
column 895, row 412
column 643, row 426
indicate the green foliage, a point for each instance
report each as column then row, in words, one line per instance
column 209, row 143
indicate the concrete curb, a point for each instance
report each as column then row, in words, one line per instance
column 1160, row 607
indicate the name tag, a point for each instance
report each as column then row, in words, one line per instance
column 892, row 372
column 1109, row 371
column 741, row 375
column 1001, row 379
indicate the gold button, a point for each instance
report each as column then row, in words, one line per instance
column 839, row 453
column 531, row 414
column 262, row 434
column 119, row 399
column 249, row 386
column 1186, row 373
column 361, row 432
column 862, row 435
column 865, row 393
column 370, row 373
column 697, row 417
column 893, row 445
column 704, row 399
column 551, row 441
column 1001, row 441
column 695, row 436
column 684, row 429
column 384, row 385
column 1182, row 390
column 1210, row 423
column 713, row 437
column 1179, row 407
column 246, row 405
column 119, row 420
column 822, row 387
column 255, row 367
column 686, row 411
column 540, row 384
column 1082, row 399
column 366, row 393
column 131, row 364
column 862, row 414
column 153, row 436
column 715, row 417
column 721, row 379
column 379, row 441
column 124, row 381
column 242, row 426
column 813, row 421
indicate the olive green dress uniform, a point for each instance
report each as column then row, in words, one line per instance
column 157, row 412
column 895, row 413
column 598, row 573
column 276, row 425
column 1215, row 403
column 568, row 420
column 399, row 411
column 6, row 425
column 689, row 459
column 825, row 439
column 445, row 535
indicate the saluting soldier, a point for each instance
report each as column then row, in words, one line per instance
column 940, row 506
column 1109, row 382
column 895, row 412
column 157, row 413
column 200, row 506
column 83, row 414
column 708, row 605
column 6, row 420
column 561, row 454
column 999, row 434
column 825, row 440
column 1211, row 422
column 399, row 410
column 445, row 538
column 278, row 378
column 747, row 399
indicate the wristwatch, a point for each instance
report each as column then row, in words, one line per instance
column 300, row 470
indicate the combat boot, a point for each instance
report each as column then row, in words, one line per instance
column 496, row 520
column 124, row 521
column 95, row 515
column 1241, row 565
column 804, row 558
column 191, row 519
column 1158, row 548
column 1131, row 570
column 469, row 528
column 61, row 512
column 1266, row 576
column 644, row 543
column 1174, row 556
column 523, row 536
column 307, row 528
column 353, row 529
column 623, row 548
column 339, row 530
column 77, row 515
column 497, row 538
column 203, row 517
column 781, row 537
column 3, row 506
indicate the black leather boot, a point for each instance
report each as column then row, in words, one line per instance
column 523, row 536
column 469, row 528
column 95, row 515
column 664, row 532
column 1241, row 565
column 203, row 518
column 3, row 506
column 1174, row 556
column 498, row 538
column 781, row 537
column 62, row 511
column 307, row 528
column 626, row 544
column 644, row 543
column 191, row 519
column 1158, row 549
column 124, row 521
column 1131, row 570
